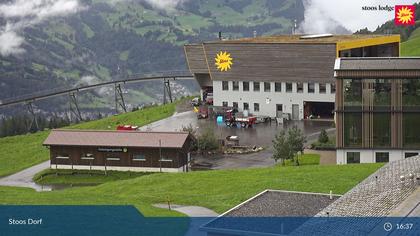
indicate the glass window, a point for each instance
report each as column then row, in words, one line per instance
column 235, row 105
column 353, row 157
column 352, row 89
column 245, row 86
column 225, row 85
column 352, row 130
column 382, row 93
column 256, row 107
column 139, row 157
column 246, row 106
column 411, row 130
column 382, row 156
column 225, row 104
column 322, row 88
column 256, row 86
column 411, row 93
column 299, row 87
column 165, row 158
column 277, row 87
column 267, row 87
column 332, row 88
column 381, row 130
column 289, row 87
column 311, row 88
column 235, row 85
column 410, row 154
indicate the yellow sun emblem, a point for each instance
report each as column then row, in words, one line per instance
column 405, row 15
column 223, row 61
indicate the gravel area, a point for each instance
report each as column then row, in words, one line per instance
column 283, row 203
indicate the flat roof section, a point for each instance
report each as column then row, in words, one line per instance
column 377, row 63
column 298, row 39
column 116, row 138
column 277, row 203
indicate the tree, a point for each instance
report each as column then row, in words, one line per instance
column 281, row 147
column 287, row 147
column 323, row 137
column 207, row 140
column 296, row 141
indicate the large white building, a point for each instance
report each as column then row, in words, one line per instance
column 270, row 76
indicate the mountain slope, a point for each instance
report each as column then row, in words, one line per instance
column 108, row 41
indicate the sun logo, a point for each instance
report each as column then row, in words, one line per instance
column 223, row 61
column 405, row 15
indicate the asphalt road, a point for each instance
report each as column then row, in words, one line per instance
column 24, row 178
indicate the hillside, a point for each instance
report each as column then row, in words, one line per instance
column 105, row 41
column 411, row 47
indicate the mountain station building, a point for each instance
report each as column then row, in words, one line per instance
column 120, row 150
column 377, row 109
column 274, row 76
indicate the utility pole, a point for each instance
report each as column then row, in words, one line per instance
column 160, row 155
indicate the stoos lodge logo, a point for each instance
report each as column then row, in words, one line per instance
column 405, row 15
column 223, row 61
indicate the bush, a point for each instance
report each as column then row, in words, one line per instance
column 323, row 137
column 207, row 141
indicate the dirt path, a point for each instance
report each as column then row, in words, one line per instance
column 24, row 178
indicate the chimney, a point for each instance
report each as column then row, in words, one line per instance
column 220, row 35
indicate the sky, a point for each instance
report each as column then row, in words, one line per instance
column 348, row 13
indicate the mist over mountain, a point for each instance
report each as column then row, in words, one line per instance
column 49, row 44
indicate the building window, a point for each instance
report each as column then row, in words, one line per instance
column 277, row 87
column 139, row 157
column 245, row 86
column 332, row 88
column 235, row 85
column 87, row 156
column 235, row 105
column 256, row 107
column 289, row 87
column 322, row 88
column 299, row 87
column 311, row 87
column 267, row 87
column 353, row 157
column 382, row 130
column 382, row 93
column 352, row 89
column 352, row 129
column 256, row 86
column 165, row 159
column 410, row 154
column 411, row 130
column 225, row 104
column 246, row 106
column 411, row 94
column 225, row 85
column 382, row 157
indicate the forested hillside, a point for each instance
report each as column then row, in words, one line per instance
column 113, row 39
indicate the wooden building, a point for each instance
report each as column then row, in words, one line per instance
column 120, row 150
column 273, row 75
column 377, row 109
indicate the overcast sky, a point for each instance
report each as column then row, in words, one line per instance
column 349, row 13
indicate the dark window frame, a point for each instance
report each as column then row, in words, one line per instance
column 225, row 85
column 245, row 88
column 311, row 87
column 256, row 107
column 382, row 159
column 277, row 87
column 267, row 87
column 256, row 88
column 353, row 157
column 235, row 85
column 289, row 89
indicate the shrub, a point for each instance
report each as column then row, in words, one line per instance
column 323, row 137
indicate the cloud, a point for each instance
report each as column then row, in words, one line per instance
column 19, row 14
column 322, row 16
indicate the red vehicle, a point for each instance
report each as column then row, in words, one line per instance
column 245, row 122
column 127, row 127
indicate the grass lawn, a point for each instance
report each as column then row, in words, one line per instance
column 218, row 190
column 411, row 47
column 23, row 151
column 305, row 159
column 51, row 176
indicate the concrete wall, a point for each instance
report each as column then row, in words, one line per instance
column 268, row 100
column 368, row 156
column 120, row 168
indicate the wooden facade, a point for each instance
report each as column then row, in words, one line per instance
column 283, row 58
column 127, row 158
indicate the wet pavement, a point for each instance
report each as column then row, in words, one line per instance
column 260, row 134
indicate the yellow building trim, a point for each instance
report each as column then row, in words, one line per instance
column 358, row 43
column 207, row 62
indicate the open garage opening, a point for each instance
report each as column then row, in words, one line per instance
column 319, row 110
